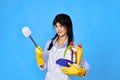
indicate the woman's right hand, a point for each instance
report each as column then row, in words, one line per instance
column 39, row 55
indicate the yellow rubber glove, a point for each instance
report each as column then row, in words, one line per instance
column 79, row 54
column 39, row 54
column 74, row 70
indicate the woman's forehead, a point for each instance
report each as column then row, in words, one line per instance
column 59, row 24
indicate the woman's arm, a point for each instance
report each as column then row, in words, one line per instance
column 43, row 57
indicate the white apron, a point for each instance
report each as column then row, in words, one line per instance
column 54, row 70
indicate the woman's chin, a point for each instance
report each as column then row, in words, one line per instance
column 60, row 35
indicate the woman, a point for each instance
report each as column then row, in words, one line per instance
column 54, row 50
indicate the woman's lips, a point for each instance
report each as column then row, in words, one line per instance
column 59, row 32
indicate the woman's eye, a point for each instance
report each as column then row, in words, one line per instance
column 61, row 26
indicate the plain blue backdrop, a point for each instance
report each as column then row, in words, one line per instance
column 96, row 24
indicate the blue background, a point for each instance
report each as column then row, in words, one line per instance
column 96, row 24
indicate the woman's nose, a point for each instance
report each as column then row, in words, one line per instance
column 58, row 28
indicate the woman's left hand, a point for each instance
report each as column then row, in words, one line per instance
column 73, row 70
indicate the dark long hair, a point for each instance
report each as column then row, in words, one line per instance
column 65, row 20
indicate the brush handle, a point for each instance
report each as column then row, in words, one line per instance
column 33, row 41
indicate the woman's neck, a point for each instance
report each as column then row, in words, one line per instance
column 61, row 40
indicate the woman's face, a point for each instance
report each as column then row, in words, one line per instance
column 61, row 30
